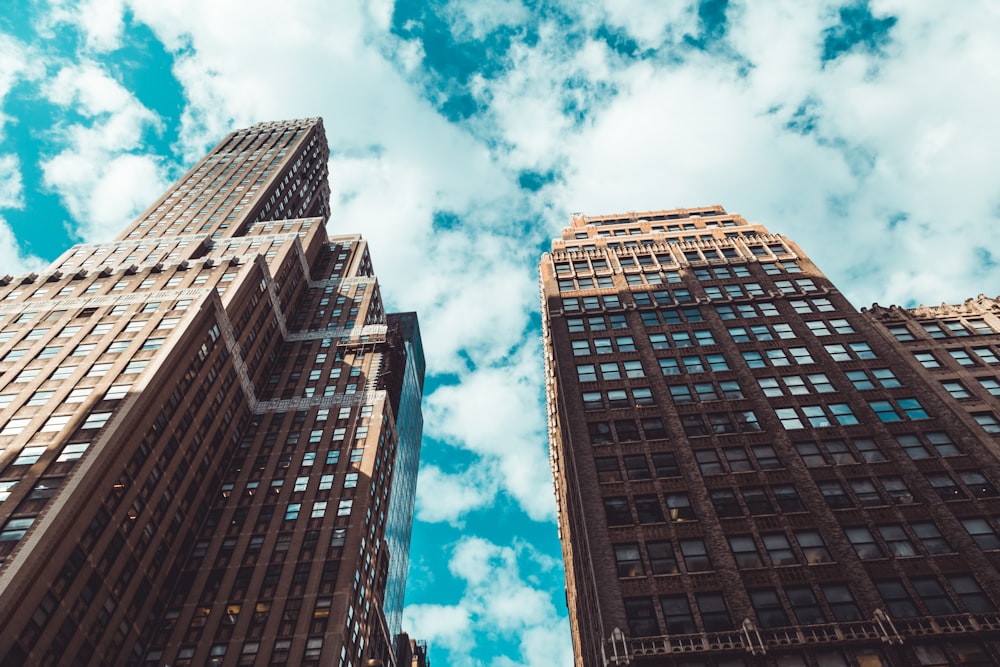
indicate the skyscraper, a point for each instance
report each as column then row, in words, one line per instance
column 209, row 431
column 749, row 471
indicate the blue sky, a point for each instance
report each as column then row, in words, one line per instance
column 464, row 132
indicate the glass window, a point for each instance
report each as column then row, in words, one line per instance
column 982, row 532
column 835, row 495
column 930, row 537
column 804, row 605
column 714, row 612
column 607, row 469
column 636, row 467
column 770, row 612
column 640, row 616
column 897, row 600
column 745, row 551
column 962, row 357
column 897, row 540
column 628, row 560
column 661, row 557
column 841, row 602
column 677, row 614
column 813, row 547
column 988, row 421
column 617, row 511
column 973, row 598
column 778, row 549
column 695, row 555
column 927, row 359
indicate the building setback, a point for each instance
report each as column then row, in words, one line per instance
column 209, row 431
column 749, row 471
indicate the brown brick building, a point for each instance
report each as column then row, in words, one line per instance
column 209, row 431
column 749, row 471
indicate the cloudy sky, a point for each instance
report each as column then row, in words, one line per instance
column 464, row 133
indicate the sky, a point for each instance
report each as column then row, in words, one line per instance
column 463, row 134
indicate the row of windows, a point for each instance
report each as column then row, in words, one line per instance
column 956, row 389
column 962, row 356
column 778, row 357
column 945, row 329
column 665, row 297
column 801, row 605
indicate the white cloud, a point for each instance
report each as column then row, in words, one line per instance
column 11, row 187
column 12, row 260
column 443, row 496
column 500, row 602
column 101, row 182
column 100, row 21
column 495, row 413
column 475, row 19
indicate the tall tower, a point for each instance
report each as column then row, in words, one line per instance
column 209, row 431
column 749, row 471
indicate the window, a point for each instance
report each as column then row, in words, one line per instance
column 714, row 612
column 55, row 423
column 988, row 421
column 879, row 377
column 933, row 329
column 841, row 602
column 600, row 433
column 72, row 451
column 804, row 605
column 695, row 555
column 863, row 543
column 931, row 538
column 898, row 601
column 661, row 557
column 608, row 469
column 970, row 593
column 745, row 551
column 991, row 385
column 665, row 464
column 29, row 455
column 850, row 351
column 901, row 333
column 897, row 540
column 813, row 547
column 933, row 595
column 648, row 509
column 977, row 484
column 677, row 614
column 586, row 373
column 653, row 428
column 96, row 420
column 945, row 486
column 768, row 607
column 757, row 500
column 778, row 549
column 987, row 355
column 835, row 495
column 628, row 560
column 640, row 616
column 927, row 359
column 617, row 511
column 962, row 357
column 679, row 507
column 636, row 467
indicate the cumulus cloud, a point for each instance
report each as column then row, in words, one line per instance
column 495, row 413
column 498, row 601
column 11, row 187
column 12, row 260
column 97, row 170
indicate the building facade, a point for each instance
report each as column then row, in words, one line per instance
column 209, row 431
column 749, row 471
